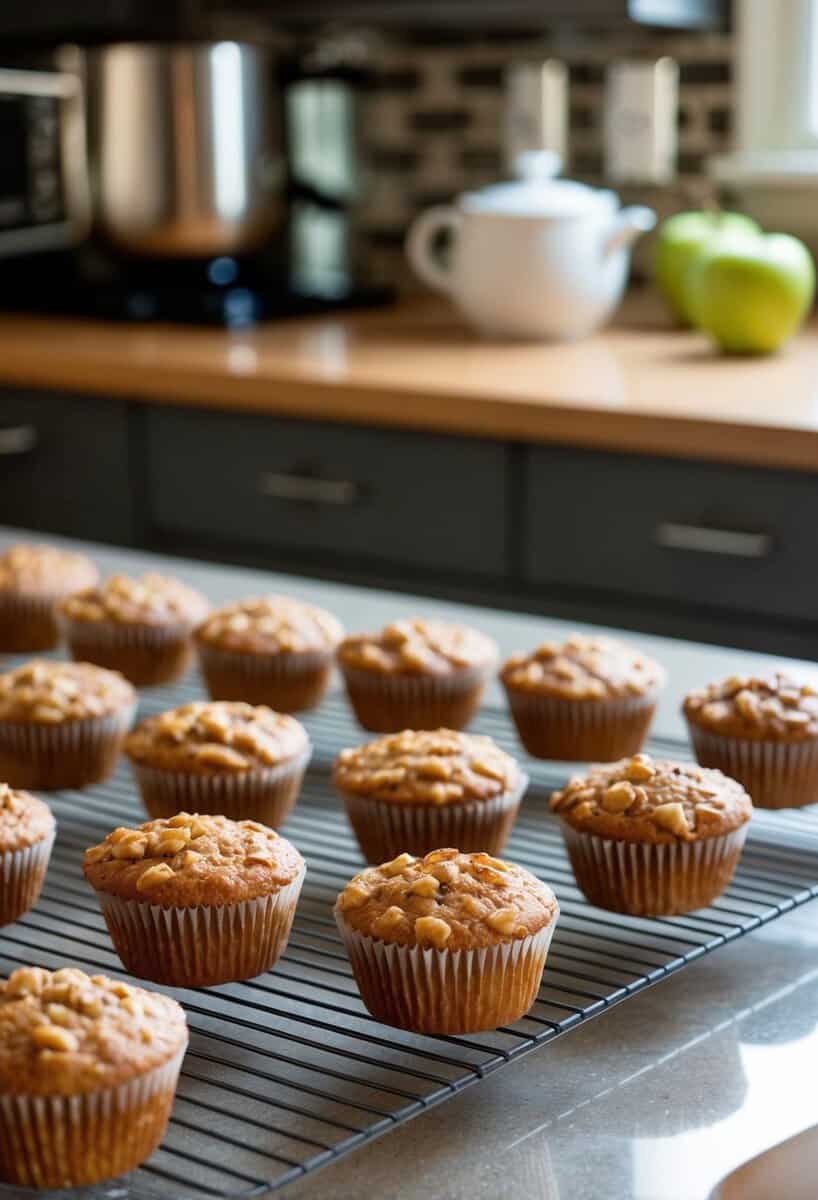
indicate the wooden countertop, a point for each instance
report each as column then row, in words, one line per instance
column 637, row 386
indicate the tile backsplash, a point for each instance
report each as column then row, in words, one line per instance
column 431, row 122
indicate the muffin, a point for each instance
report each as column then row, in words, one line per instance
column 418, row 790
column 653, row 838
column 269, row 650
column 588, row 698
column 196, row 900
column 763, row 732
column 449, row 943
column 62, row 724
column 88, row 1071
column 27, row 831
column 141, row 627
column 220, row 757
column 416, row 674
column 33, row 580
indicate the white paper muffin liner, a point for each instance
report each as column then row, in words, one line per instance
column 72, row 1141
column 288, row 682
column 69, row 754
column 388, row 703
column 553, row 727
column 447, row 991
column 203, row 946
column 145, row 654
column 775, row 774
column 28, row 623
column 266, row 794
column 653, row 879
column 386, row 830
column 22, row 873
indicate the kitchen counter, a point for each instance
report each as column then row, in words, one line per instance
column 655, row 1100
column 637, row 386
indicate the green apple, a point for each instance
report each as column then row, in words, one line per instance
column 678, row 244
column 751, row 292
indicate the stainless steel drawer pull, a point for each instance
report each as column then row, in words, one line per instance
column 308, row 489
column 17, row 439
column 733, row 543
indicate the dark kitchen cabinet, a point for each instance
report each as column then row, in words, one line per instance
column 65, row 466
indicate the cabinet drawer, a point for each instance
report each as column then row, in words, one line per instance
column 329, row 491
column 64, row 465
column 696, row 533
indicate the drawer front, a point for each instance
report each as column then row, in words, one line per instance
column 696, row 533
column 64, row 465
column 329, row 491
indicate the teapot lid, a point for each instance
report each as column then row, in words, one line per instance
column 537, row 193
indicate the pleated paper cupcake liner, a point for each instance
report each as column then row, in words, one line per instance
column 266, row 794
column 653, row 879
column 28, row 624
column 386, row 830
column 73, row 1141
column 447, row 991
column 22, row 873
column 385, row 703
column 147, row 655
column 203, row 946
column 285, row 682
column 70, row 754
column 581, row 730
column 775, row 774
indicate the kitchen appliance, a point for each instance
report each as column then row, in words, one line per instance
column 540, row 258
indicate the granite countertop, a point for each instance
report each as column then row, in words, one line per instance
column 636, row 386
column 655, row 1100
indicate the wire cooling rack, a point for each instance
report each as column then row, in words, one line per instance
column 287, row 1072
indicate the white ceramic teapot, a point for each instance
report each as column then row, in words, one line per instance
column 540, row 258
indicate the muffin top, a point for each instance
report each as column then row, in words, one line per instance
column 32, row 569
column 583, row 667
column 152, row 600
column 437, row 767
column 64, row 1032
column 774, row 707
column 190, row 860
column 49, row 693
column 270, row 625
column 417, row 647
column 24, row 819
column 640, row 799
column 447, row 900
column 214, row 737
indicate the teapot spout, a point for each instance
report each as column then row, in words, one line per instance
column 630, row 223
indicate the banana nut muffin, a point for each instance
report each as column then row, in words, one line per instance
column 762, row 731
column 141, row 627
column 418, row 790
column 231, row 886
column 589, row 697
column 652, row 837
column 416, row 674
column 27, row 830
column 33, row 579
column 88, row 1071
column 448, row 943
column 220, row 756
column 62, row 724
column 269, row 650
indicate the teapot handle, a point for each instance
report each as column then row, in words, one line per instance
column 420, row 245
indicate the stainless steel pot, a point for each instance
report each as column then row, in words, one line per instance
column 184, row 147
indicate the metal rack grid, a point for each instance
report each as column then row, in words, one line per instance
column 287, row 1072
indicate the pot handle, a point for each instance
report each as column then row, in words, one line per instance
column 630, row 222
column 420, row 245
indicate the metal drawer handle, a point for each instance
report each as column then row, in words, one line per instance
column 17, row 439
column 733, row 543
column 306, row 488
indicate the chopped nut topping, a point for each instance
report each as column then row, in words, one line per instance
column 426, row 885
column 771, row 707
column 154, row 876
column 584, row 668
column 271, row 624
column 52, row 1037
column 217, row 736
column 24, row 819
column 32, row 569
column 432, row 930
column 48, row 692
column 398, row 865
column 504, row 920
column 416, row 646
column 151, row 600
